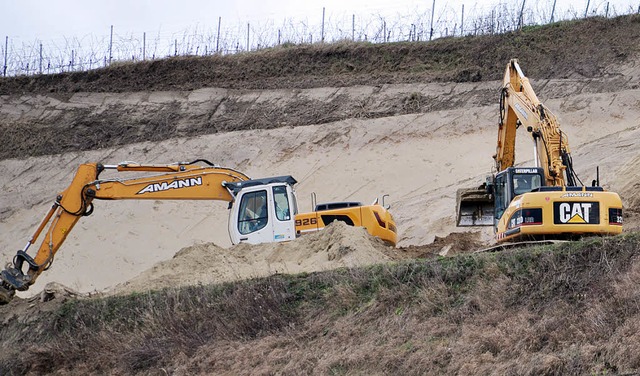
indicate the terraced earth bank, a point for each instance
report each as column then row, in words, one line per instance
column 415, row 121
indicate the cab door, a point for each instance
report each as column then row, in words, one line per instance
column 283, row 213
column 502, row 196
column 256, row 217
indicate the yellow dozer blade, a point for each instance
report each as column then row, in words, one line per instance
column 475, row 207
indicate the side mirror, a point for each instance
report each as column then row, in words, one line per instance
column 383, row 204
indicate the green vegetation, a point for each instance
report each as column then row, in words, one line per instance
column 544, row 309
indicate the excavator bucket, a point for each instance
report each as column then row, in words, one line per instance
column 475, row 207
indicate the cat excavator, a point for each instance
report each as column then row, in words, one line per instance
column 261, row 210
column 545, row 201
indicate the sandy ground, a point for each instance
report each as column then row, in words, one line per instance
column 419, row 160
column 338, row 245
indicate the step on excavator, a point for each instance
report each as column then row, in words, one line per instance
column 260, row 210
column 542, row 202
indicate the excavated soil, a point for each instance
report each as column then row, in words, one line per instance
column 337, row 246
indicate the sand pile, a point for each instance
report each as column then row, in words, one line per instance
column 338, row 245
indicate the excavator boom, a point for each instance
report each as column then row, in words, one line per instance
column 203, row 183
column 520, row 106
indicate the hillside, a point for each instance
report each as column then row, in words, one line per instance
column 594, row 49
column 571, row 309
column 351, row 122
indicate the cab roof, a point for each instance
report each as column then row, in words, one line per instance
column 238, row 186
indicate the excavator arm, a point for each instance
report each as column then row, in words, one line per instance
column 519, row 106
column 181, row 181
column 266, row 212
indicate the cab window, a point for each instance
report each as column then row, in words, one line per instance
column 253, row 212
column 501, row 196
column 523, row 183
column 281, row 201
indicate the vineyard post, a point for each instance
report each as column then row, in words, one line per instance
column 6, row 48
column 433, row 8
column 586, row 9
column 462, row 22
column 322, row 30
column 218, row 37
column 521, row 18
column 353, row 26
column 384, row 31
column 111, row 45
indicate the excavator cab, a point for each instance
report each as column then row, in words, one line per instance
column 512, row 182
column 263, row 210
column 484, row 206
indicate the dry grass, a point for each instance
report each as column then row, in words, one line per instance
column 583, row 47
column 570, row 309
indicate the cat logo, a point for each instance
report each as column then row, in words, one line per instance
column 568, row 213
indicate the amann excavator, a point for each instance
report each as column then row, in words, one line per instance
column 546, row 201
column 261, row 210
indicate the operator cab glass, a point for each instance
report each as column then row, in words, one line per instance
column 513, row 182
column 500, row 195
column 281, row 202
column 253, row 212
column 523, row 183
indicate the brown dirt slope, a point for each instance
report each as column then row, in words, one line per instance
column 580, row 49
column 338, row 245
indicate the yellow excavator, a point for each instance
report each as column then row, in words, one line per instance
column 261, row 210
column 545, row 201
